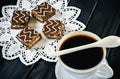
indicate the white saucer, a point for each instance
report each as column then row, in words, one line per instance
column 61, row 73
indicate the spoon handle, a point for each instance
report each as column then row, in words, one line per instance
column 74, row 49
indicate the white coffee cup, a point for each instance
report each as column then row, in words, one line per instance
column 100, row 71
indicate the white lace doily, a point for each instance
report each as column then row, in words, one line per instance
column 13, row 49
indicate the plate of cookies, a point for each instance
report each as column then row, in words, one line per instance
column 31, row 29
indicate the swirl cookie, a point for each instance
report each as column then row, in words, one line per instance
column 20, row 19
column 43, row 12
column 53, row 29
column 28, row 37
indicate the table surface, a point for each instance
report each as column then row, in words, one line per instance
column 100, row 16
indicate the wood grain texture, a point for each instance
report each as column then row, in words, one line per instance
column 100, row 16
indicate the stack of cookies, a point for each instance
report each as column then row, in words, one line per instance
column 53, row 29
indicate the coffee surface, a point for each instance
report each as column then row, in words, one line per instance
column 83, row 59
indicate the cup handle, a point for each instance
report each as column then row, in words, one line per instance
column 105, row 71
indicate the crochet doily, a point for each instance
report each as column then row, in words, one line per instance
column 12, row 48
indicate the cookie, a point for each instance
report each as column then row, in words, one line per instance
column 43, row 12
column 28, row 37
column 53, row 29
column 20, row 19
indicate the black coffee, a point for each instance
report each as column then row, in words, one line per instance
column 83, row 59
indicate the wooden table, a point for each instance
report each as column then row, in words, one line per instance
column 100, row 16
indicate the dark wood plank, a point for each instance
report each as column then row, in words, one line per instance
column 105, row 20
column 12, row 69
column 42, row 70
column 87, row 9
